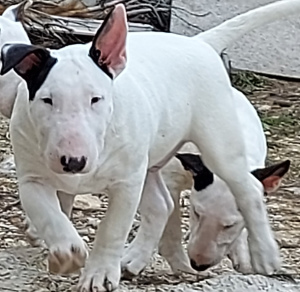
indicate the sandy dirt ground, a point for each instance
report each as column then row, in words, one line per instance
column 23, row 268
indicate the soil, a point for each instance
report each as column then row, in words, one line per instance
column 24, row 268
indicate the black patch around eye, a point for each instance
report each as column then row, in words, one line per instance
column 47, row 101
column 203, row 180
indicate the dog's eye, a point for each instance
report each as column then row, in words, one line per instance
column 47, row 100
column 96, row 99
column 228, row 226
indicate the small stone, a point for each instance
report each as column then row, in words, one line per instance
column 87, row 202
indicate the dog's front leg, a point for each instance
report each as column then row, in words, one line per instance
column 240, row 255
column 103, row 269
column 67, row 251
column 66, row 204
column 155, row 208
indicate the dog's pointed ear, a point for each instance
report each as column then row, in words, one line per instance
column 108, row 49
column 22, row 58
column 272, row 175
column 12, row 12
column 32, row 63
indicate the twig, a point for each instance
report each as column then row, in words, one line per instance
column 190, row 12
column 174, row 7
column 187, row 22
column 8, row 206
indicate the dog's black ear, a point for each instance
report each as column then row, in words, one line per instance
column 108, row 49
column 191, row 162
column 32, row 63
column 271, row 176
column 202, row 176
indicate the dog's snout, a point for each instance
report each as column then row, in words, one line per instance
column 73, row 164
column 199, row 268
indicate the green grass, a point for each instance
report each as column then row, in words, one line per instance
column 247, row 81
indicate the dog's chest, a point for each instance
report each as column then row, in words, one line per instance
column 82, row 184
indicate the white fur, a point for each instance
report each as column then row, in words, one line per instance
column 209, row 241
column 11, row 31
column 174, row 89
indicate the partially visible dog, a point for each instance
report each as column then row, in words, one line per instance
column 217, row 228
column 11, row 30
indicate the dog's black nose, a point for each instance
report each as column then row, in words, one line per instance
column 199, row 268
column 73, row 164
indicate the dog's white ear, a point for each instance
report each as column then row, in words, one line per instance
column 272, row 175
column 12, row 12
column 32, row 63
column 108, row 49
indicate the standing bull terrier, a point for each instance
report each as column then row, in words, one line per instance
column 76, row 132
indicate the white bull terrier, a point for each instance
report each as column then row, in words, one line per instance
column 84, row 127
column 216, row 226
column 176, row 180
column 215, row 223
column 11, row 31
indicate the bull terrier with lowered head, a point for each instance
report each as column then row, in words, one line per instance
column 217, row 227
column 108, row 116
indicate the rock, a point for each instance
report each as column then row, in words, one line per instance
column 87, row 202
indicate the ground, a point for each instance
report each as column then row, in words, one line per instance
column 270, row 48
column 23, row 268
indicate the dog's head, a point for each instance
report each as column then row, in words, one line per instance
column 71, row 93
column 215, row 222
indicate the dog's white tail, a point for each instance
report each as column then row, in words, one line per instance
column 225, row 34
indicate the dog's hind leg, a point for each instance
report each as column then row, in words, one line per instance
column 218, row 135
column 155, row 207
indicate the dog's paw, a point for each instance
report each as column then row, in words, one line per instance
column 265, row 256
column 67, row 257
column 243, row 268
column 100, row 277
column 179, row 263
column 135, row 260
column 176, row 257
column 241, row 261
